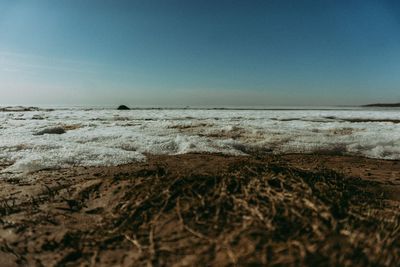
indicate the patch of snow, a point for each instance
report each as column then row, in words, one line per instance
column 105, row 137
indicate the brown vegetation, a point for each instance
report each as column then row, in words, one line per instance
column 201, row 210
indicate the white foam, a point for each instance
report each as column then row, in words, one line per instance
column 108, row 137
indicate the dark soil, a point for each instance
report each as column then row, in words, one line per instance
column 204, row 210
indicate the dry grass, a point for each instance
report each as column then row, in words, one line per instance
column 261, row 216
column 251, row 214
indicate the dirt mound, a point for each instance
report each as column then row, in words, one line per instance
column 203, row 210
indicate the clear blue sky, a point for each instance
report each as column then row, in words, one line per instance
column 199, row 53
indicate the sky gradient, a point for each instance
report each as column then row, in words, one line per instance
column 199, row 53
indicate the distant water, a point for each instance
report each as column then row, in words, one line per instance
column 104, row 136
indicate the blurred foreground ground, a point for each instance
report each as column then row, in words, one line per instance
column 206, row 210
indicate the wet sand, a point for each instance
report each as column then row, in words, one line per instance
column 206, row 210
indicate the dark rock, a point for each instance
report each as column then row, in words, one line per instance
column 123, row 107
column 52, row 130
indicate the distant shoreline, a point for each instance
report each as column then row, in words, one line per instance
column 277, row 108
column 20, row 108
column 383, row 105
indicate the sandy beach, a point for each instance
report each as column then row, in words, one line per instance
column 206, row 210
